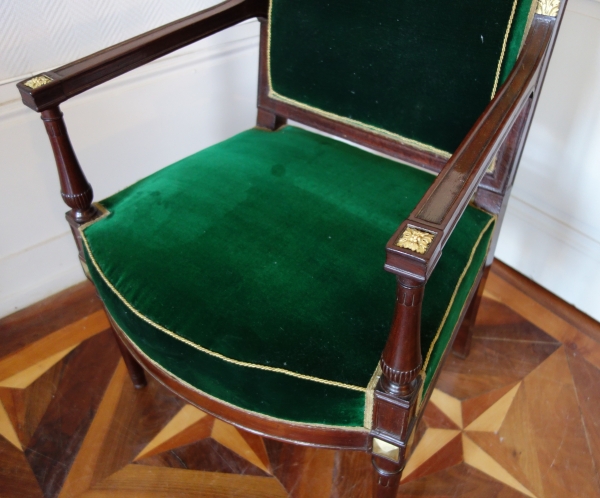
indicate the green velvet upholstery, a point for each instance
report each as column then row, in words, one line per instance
column 420, row 71
column 253, row 271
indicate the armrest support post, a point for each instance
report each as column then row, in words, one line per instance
column 401, row 360
column 75, row 189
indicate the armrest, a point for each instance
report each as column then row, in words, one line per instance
column 51, row 88
column 444, row 202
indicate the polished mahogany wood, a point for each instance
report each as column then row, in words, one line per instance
column 449, row 195
column 75, row 189
column 386, row 477
column 269, row 121
column 136, row 372
column 401, row 359
column 83, row 74
column 498, row 135
column 313, row 435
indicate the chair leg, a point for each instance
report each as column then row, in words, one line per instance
column 462, row 342
column 386, row 477
column 136, row 372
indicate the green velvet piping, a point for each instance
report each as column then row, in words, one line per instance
column 268, row 249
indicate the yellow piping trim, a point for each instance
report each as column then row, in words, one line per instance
column 352, row 428
column 368, row 423
column 462, row 276
column 197, row 346
column 380, row 131
column 510, row 21
column 403, row 140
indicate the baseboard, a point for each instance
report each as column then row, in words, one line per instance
column 122, row 131
column 553, row 254
column 38, row 272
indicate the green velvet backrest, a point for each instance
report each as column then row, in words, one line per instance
column 420, row 72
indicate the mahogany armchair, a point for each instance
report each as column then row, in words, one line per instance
column 249, row 277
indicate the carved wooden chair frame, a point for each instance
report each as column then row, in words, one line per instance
column 481, row 171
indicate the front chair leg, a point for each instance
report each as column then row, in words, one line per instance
column 136, row 372
column 386, row 477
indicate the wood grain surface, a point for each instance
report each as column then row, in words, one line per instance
column 518, row 417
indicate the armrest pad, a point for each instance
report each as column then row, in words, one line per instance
column 54, row 87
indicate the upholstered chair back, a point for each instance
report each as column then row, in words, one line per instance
column 417, row 71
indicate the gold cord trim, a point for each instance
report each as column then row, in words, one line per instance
column 358, row 124
column 510, row 21
column 462, row 276
column 380, row 131
column 368, row 423
column 352, row 428
column 200, row 348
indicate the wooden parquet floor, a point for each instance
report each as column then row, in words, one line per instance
column 519, row 417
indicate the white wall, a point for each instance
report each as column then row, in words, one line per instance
column 155, row 115
column 552, row 228
column 121, row 131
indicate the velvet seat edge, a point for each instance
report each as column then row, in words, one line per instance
column 344, row 407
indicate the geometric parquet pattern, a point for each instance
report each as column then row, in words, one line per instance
column 519, row 417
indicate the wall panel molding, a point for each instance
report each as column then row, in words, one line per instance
column 122, row 131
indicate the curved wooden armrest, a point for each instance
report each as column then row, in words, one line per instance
column 51, row 88
column 444, row 202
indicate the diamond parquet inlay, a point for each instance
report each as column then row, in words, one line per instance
column 519, row 417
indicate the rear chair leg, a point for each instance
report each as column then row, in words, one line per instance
column 462, row 342
column 136, row 372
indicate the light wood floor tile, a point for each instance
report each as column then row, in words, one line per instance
column 166, row 482
column 187, row 416
column 479, row 459
column 229, row 437
column 556, row 425
column 7, row 430
column 26, row 377
column 431, row 443
column 52, row 344
column 449, row 405
column 491, row 420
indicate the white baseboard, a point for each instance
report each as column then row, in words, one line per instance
column 155, row 115
column 556, row 256
column 122, row 131
column 38, row 272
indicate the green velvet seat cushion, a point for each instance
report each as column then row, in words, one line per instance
column 420, row 71
column 253, row 271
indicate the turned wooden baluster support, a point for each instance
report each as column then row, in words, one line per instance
column 401, row 359
column 77, row 194
column 75, row 189
column 395, row 398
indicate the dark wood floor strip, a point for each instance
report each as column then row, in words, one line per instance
column 556, row 396
column 56, row 441
column 37, row 321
